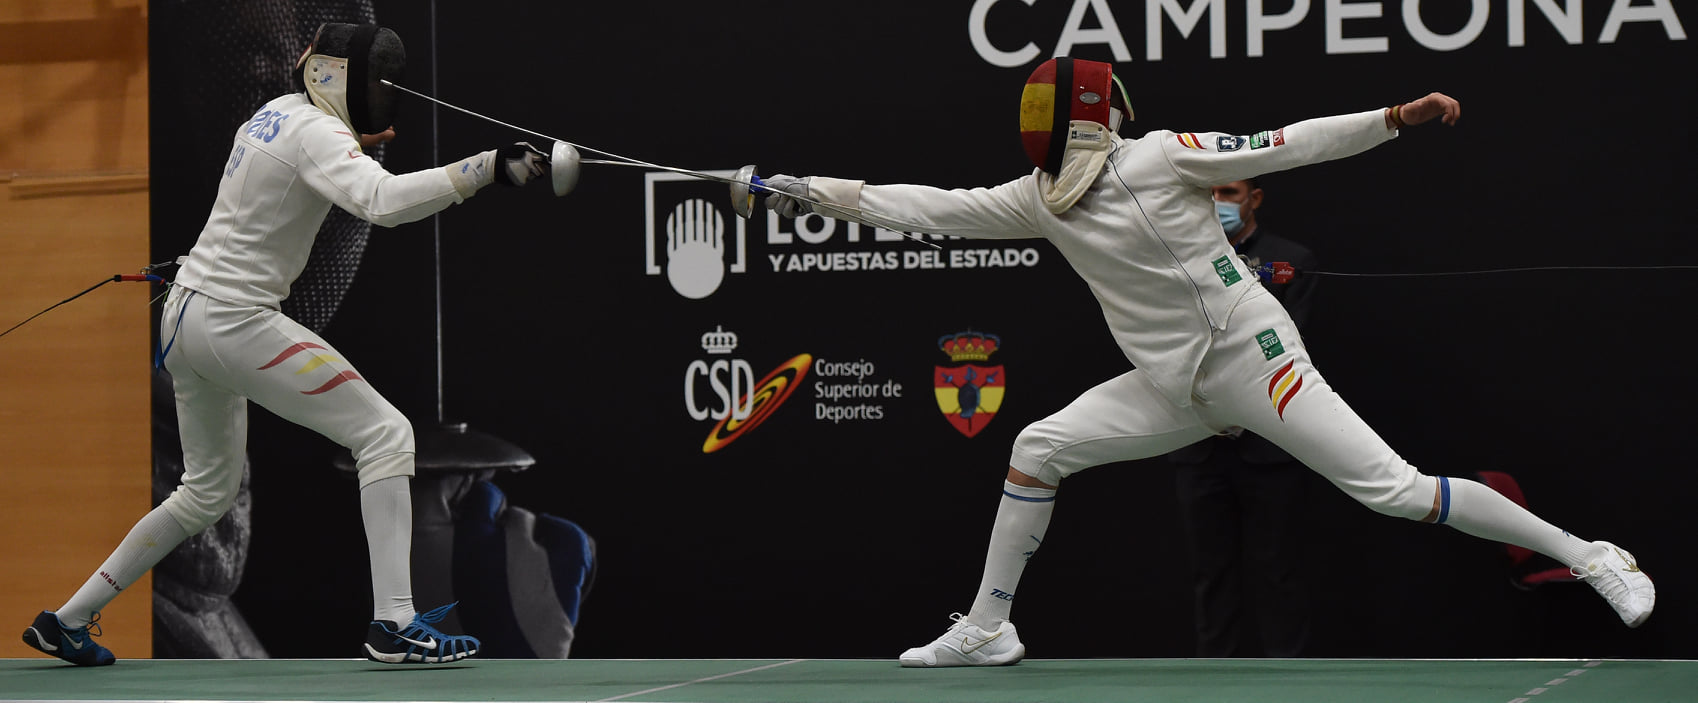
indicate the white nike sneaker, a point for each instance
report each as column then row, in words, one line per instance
column 966, row 644
column 1616, row 577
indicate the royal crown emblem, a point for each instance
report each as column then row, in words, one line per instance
column 969, row 346
column 719, row 341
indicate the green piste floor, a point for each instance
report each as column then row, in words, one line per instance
column 832, row 681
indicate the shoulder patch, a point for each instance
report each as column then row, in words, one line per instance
column 1227, row 272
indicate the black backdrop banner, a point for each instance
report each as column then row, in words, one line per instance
column 760, row 422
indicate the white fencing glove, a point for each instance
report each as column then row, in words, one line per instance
column 781, row 187
column 519, row 163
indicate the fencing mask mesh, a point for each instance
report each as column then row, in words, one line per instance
column 343, row 71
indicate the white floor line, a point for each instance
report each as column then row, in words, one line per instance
column 703, row 679
column 1553, row 683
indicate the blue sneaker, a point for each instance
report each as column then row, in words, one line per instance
column 418, row 642
column 73, row 645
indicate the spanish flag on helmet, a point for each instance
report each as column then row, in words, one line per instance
column 1089, row 92
column 1069, row 110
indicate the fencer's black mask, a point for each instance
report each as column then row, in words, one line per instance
column 343, row 69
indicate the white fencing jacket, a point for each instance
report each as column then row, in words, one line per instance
column 1144, row 237
column 289, row 164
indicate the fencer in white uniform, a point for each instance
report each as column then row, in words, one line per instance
column 1213, row 351
column 225, row 341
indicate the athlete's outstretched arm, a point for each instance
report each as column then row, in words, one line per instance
column 333, row 165
column 1001, row 212
column 1206, row 158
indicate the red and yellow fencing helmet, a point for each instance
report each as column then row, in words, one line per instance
column 1061, row 90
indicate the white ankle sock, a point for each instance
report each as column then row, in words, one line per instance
column 1478, row 510
column 1021, row 521
column 386, row 506
column 153, row 537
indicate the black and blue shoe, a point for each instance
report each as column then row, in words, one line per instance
column 419, row 642
column 75, row 645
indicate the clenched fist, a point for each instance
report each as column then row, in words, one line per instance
column 1425, row 109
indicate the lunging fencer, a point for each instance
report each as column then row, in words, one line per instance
column 1212, row 350
column 225, row 342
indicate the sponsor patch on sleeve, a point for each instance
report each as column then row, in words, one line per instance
column 1230, row 143
column 1261, row 140
column 1269, row 341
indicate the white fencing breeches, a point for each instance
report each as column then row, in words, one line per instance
column 220, row 356
column 1256, row 376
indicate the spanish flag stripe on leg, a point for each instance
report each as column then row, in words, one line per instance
column 1279, row 375
column 291, row 351
column 1288, row 396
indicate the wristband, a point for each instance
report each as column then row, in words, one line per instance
column 472, row 173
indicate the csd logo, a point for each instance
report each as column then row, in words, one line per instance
column 731, row 394
column 730, row 381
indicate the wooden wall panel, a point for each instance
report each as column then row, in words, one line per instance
column 75, row 468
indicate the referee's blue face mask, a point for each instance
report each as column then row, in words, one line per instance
column 1230, row 219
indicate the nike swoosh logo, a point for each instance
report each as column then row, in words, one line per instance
column 970, row 647
column 1632, row 566
column 45, row 645
column 74, row 644
column 428, row 643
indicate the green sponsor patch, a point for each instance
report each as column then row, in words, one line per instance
column 1261, row 140
column 1227, row 272
column 1270, row 344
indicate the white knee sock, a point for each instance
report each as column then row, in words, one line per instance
column 153, row 537
column 386, row 506
column 1021, row 521
column 1478, row 510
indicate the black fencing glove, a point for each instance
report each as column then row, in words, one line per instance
column 781, row 187
column 519, row 163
